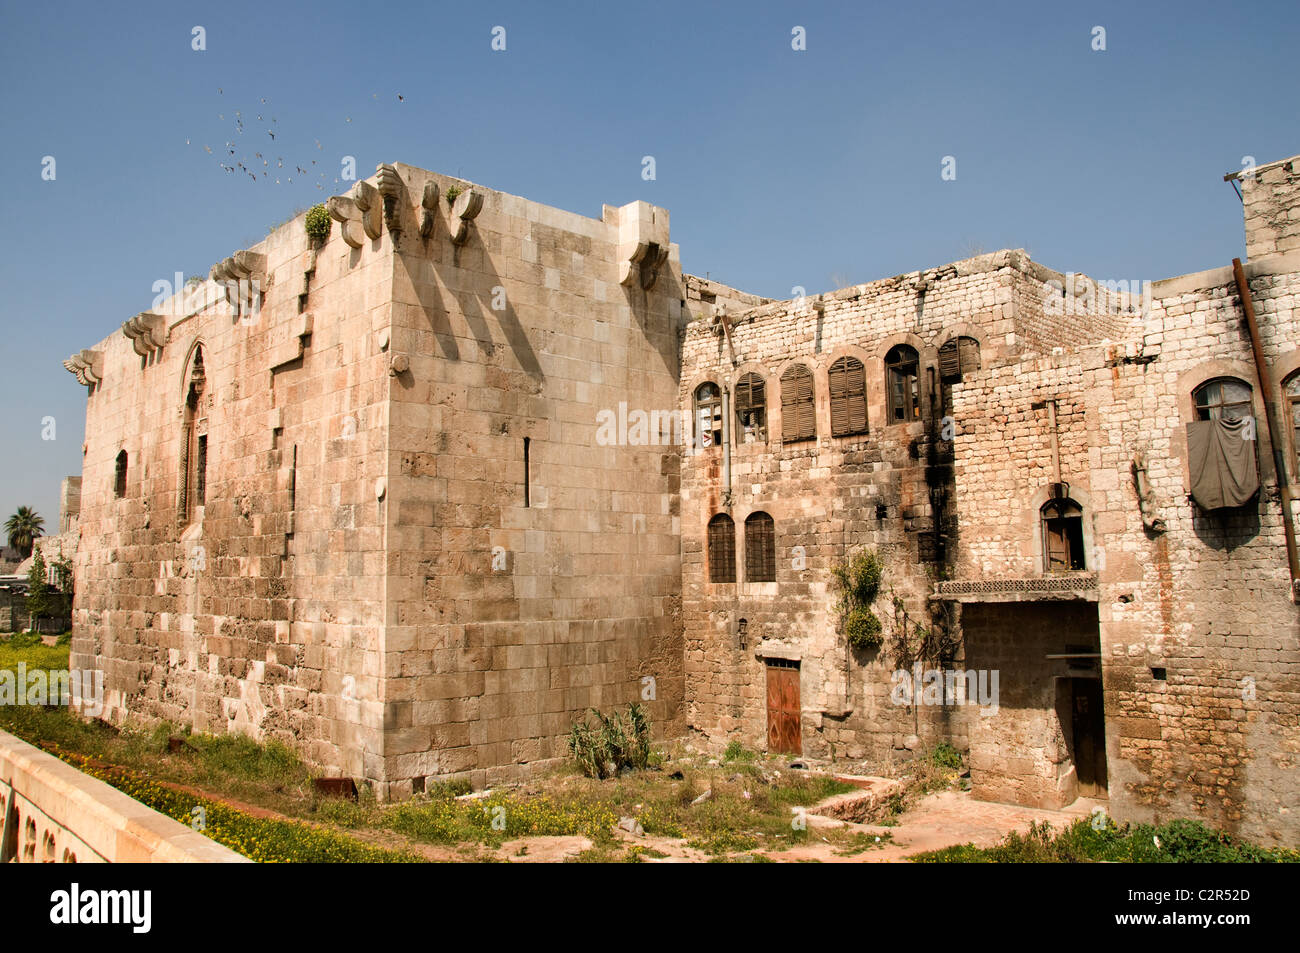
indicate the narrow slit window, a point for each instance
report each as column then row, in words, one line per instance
column 528, row 477
column 119, row 476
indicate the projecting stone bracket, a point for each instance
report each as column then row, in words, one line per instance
column 642, row 244
column 359, row 215
column 391, row 190
column 87, row 366
column 147, row 332
column 428, row 205
column 464, row 210
column 241, row 266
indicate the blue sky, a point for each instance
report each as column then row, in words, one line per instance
column 780, row 168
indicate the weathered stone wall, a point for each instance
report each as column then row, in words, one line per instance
column 1272, row 208
column 1206, row 600
column 835, row 495
column 264, row 613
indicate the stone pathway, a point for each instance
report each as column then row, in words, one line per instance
column 938, row 820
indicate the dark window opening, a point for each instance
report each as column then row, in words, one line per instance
column 722, row 549
column 1063, row 536
column 751, row 409
column 527, row 474
column 119, row 476
column 708, row 416
column 903, row 393
column 848, row 388
column 201, row 477
column 798, row 405
column 760, row 548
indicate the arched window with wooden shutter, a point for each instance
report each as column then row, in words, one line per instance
column 848, row 387
column 751, row 409
column 798, row 413
column 722, row 549
column 760, row 548
column 1062, row 536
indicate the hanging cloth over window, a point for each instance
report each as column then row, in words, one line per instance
column 1222, row 460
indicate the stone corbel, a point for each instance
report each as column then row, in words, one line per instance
column 463, row 211
column 643, row 264
column 642, row 244
column 147, row 332
column 428, row 205
column 359, row 215
column 87, row 366
column 391, row 189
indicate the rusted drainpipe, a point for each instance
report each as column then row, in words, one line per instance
column 1265, row 375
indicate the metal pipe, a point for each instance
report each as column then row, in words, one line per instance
column 1265, row 375
column 726, row 445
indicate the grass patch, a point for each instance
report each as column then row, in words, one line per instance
column 1176, row 842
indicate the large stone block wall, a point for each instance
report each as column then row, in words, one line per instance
column 508, row 617
column 1206, row 600
column 264, row 614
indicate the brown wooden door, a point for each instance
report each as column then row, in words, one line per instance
column 1089, row 737
column 783, row 733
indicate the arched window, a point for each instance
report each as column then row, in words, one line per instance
column 708, row 416
column 798, row 414
column 903, row 396
column 119, row 476
column 848, row 387
column 751, row 408
column 958, row 356
column 1293, row 405
column 760, row 548
column 1225, row 397
column 194, row 443
column 722, row 549
column 1062, row 536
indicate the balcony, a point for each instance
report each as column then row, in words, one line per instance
column 1056, row 587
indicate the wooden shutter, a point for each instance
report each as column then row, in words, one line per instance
column 848, row 387
column 760, row 548
column 798, row 409
column 722, row 549
column 950, row 362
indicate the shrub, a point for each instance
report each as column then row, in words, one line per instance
column 862, row 629
column 453, row 191
column 858, row 581
column 317, row 223
column 736, row 751
column 616, row 741
column 945, row 755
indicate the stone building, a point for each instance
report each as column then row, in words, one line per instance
column 415, row 496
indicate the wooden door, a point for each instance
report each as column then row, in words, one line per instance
column 1089, row 737
column 783, row 734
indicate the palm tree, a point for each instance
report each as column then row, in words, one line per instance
column 23, row 528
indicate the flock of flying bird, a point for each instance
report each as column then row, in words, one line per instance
column 249, row 167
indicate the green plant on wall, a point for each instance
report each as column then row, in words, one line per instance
column 453, row 191
column 857, row 580
column 317, row 223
